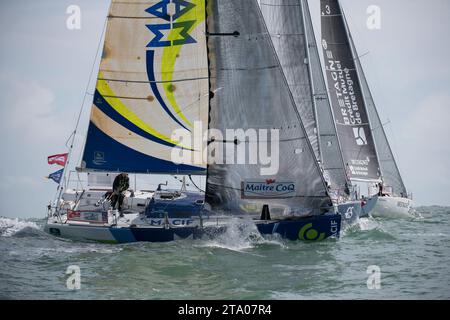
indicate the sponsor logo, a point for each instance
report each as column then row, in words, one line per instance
column 334, row 228
column 172, row 222
column 171, row 11
column 268, row 189
column 308, row 233
column 349, row 213
column 99, row 158
column 360, row 136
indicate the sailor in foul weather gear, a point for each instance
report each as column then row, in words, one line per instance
column 120, row 185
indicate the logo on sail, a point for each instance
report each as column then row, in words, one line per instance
column 99, row 158
column 360, row 136
column 268, row 189
column 171, row 11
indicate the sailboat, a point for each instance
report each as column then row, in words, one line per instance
column 174, row 66
column 366, row 151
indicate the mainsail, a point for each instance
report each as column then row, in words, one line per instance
column 153, row 80
column 250, row 91
column 346, row 96
column 290, row 25
column 388, row 166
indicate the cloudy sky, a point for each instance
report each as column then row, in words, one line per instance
column 44, row 70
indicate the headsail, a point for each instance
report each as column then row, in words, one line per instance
column 349, row 107
column 388, row 166
column 153, row 80
column 290, row 25
column 251, row 92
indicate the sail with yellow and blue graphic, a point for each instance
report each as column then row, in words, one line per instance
column 153, row 80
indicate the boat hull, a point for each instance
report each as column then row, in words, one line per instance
column 307, row 229
column 389, row 207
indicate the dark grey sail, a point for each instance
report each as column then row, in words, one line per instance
column 290, row 25
column 388, row 166
column 347, row 101
column 249, row 91
column 284, row 20
column 330, row 149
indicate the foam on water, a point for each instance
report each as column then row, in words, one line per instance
column 366, row 227
column 414, row 257
column 241, row 235
column 10, row 227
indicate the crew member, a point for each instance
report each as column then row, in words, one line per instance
column 120, row 185
column 380, row 189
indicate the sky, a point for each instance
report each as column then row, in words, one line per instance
column 45, row 68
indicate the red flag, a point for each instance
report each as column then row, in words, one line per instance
column 60, row 159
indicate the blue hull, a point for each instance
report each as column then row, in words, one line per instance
column 170, row 205
column 307, row 229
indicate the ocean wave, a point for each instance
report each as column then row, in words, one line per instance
column 16, row 227
column 242, row 235
column 367, row 228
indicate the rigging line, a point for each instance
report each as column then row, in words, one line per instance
column 195, row 185
column 87, row 88
column 89, row 82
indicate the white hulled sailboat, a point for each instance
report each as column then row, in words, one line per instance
column 364, row 145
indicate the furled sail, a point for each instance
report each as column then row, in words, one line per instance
column 290, row 25
column 249, row 91
column 153, row 80
column 349, row 107
column 388, row 166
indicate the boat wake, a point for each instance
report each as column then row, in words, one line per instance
column 19, row 228
column 242, row 235
column 367, row 228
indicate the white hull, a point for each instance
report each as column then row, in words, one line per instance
column 392, row 207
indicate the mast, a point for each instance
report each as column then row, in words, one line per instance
column 311, row 79
column 388, row 166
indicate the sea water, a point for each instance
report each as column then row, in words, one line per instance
column 375, row 259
